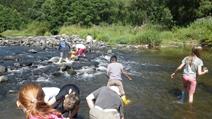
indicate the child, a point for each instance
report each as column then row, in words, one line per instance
column 105, row 103
column 192, row 67
column 80, row 49
column 64, row 48
column 31, row 101
column 114, row 71
column 66, row 100
column 73, row 54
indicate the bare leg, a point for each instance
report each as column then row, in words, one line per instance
column 61, row 57
column 190, row 99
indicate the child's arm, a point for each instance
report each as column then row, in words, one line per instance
column 126, row 74
column 90, row 101
column 178, row 68
column 200, row 72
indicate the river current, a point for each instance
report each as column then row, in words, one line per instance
column 152, row 92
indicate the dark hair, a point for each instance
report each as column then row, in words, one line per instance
column 113, row 58
column 70, row 101
column 195, row 51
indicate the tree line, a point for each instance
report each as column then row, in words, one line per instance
column 16, row 14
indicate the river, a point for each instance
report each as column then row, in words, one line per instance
column 152, row 92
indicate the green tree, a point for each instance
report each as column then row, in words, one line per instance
column 88, row 12
column 9, row 19
column 205, row 8
column 149, row 11
column 183, row 11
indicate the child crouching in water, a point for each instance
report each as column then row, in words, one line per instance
column 31, row 101
column 72, row 55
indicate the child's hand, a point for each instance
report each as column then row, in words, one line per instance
column 172, row 75
column 129, row 78
column 205, row 69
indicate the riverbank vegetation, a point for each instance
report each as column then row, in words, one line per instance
column 114, row 21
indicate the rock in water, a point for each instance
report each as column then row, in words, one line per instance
column 32, row 51
column 2, row 69
column 3, row 79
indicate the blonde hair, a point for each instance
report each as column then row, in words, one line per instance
column 189, row 60
column 31, row 98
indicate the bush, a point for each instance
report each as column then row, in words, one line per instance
column 200, row 31
column 9, row 19
column 37, row 28
column 150, row 37
column 32, row 29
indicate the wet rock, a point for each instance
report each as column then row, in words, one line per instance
column 42, row 79
column 3, row 69
column 3, row 79
column 32, row 51
column 46, row 69
column 94, row 63
column 101, row 68
column 54, row 60
column 57, row 74
column 71, row 71
column 12, row 91
column 65, row 67
column 17, row 64
column 10, row 58
column 27, row 63
column 109, row 51
column 106, row 57
column 88, row 70
column 79, row 65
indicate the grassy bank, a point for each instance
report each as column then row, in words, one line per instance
column 199, row 31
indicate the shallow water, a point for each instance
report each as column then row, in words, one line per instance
column 152, row 93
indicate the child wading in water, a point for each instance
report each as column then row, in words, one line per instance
column 114, row 71
column 64, row 48
column 192, row 67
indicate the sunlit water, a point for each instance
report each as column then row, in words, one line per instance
column 152, row 92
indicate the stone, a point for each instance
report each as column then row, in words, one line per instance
column 3, row 69
column 3, row 79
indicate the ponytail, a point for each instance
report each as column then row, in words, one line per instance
column 195, row 51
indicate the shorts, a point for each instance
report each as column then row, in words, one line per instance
column 81, row 52
column 189, row 83
column 117, row 82
column 64, row 53
column 96, row 113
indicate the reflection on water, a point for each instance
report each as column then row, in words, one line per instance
column 152, row 92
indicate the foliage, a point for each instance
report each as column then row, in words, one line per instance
column 124, row 20
column 33, row 29
column 9, row 19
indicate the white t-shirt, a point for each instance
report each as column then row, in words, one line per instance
column 114, row 70
column 50, row 92
column 89, row 39
column 80, row 46
column 193, row 68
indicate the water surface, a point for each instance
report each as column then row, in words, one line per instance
column 152, row 92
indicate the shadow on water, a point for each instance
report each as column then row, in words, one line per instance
column 175, row 92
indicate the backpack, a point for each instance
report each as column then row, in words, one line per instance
column 62, row 44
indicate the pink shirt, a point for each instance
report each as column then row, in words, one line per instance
column 51, row 116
